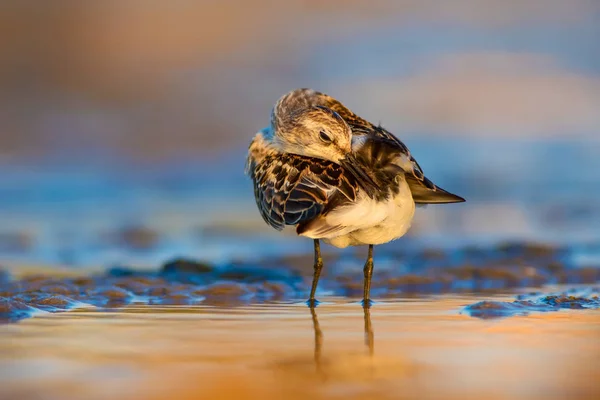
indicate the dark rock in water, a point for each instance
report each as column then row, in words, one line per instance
column 526, row 303
column 110, row 296
column 126, row 272
column 139, row 285
column 226, row 294
column 60, row 288
column 135, row 288
column 274, row 290
column 45, row 301
column 173, row 300
column 158, row 291
column 495, row 306
column 13, row 310
column 8, row 290
column 573, row 302
column 251, row 274
column 35, row 283
column 82, row 281
column 120, row 271
column 230, row 290
column 167, row 289
column 185, row 270
column 500, row 309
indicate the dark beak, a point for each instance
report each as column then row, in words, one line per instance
column 351, row 164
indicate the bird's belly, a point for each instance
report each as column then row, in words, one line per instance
column 397, row 212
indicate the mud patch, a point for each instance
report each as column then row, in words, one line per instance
column 178, row 282
column 525, row 304
column 492, row 269
column 12, row 310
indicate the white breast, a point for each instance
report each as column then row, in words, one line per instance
column 368, row 221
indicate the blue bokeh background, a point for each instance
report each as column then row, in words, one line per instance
column 131, row 119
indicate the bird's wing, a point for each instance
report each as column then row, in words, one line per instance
column 382, row 152
column 423, row 190
column 292, row 189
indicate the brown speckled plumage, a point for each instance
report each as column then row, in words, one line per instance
column 290, row 189
column 424, row 190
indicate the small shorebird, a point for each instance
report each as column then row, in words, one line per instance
column 336, row 177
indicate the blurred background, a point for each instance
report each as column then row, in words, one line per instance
column 124, row 124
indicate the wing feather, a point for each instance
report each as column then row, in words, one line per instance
column 292, row 189
column 423, row 190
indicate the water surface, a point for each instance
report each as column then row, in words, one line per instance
column 407, row 348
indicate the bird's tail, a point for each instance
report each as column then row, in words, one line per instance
column 426, row 192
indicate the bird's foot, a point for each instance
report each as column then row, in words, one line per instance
column 367, row 303
column 312, row 303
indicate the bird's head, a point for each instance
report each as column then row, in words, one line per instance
column 299, row 126
column 315, row 132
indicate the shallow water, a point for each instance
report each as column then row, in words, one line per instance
column 191, row 329
column 408, row 348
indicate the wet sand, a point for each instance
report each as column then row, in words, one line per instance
column 410, row 348
column 501, row 268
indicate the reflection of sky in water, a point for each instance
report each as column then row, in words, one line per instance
column 518, row 189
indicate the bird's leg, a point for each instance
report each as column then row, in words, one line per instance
column 369, row 336
column 312, row 302
column 368, row 270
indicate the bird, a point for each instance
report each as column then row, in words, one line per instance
column 336, row 177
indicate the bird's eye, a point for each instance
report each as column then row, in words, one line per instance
column 325, row 137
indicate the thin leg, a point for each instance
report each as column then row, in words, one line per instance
column 368, row 270
column 312, row 302
column 369, row 336
column 318, row 337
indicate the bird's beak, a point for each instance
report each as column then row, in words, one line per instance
column 351, row 164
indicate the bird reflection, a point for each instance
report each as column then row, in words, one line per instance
column 369, row 336
column 318, row 338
